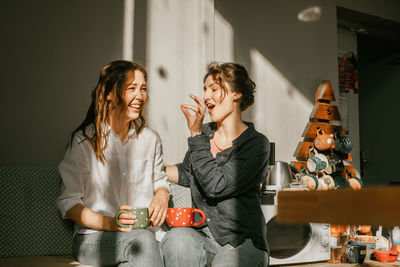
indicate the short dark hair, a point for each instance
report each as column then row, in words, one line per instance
column 238, row 79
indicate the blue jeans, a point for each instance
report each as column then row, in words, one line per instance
column 188, row 247
column 135, row 248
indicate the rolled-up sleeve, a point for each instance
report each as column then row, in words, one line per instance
column 160, row 178
column 74, row 170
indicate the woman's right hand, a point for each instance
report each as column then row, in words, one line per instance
column 95, row 220
column 124, row 218
column 195, row 121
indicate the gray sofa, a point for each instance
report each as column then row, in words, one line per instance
column 30, row 224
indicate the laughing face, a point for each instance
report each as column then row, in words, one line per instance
column 219, row 101
column 134, row 97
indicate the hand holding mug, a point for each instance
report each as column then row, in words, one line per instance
column 195, row 121
column 124, row 216
column 127, row 218
column 158, row 206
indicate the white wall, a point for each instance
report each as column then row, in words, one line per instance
column 179, row 46
column 52, row 53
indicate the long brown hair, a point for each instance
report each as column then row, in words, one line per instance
column 113, row 76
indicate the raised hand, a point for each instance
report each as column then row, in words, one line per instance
column 195, row 121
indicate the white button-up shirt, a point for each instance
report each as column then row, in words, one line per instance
column 132, row 171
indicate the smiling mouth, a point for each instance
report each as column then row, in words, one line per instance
column 136, row 106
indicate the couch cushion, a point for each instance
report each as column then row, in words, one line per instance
column 42, row 261
column 180, row 196
column 30, row 223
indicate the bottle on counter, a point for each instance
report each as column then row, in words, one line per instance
column 396, row 239
column 381, row 243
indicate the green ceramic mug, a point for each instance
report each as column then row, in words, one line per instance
column 142, row 218
column 316, row 163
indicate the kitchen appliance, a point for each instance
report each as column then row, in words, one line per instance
column 279, row 175
column 290, row 243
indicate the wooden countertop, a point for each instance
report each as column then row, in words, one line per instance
column 371, row 206
column 367, row 263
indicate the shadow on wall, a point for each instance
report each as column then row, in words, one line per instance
column 140, row 36
column 298, row 39
column 52, row 52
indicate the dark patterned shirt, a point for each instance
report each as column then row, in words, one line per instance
column 226, row 187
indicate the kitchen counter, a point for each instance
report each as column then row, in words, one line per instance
column 369, row 206
column 367, row 263
column 65, row 261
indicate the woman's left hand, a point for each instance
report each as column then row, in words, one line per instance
column 195, row 121
column 158, row 206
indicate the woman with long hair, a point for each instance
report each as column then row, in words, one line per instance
column 226, row 161
column 114, row 162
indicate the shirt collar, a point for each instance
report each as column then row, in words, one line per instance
column 210, row 128
column 131, row 132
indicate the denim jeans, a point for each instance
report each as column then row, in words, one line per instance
column 188, row 247
column 135, row 248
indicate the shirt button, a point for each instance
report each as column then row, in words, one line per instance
column 124, row 173
column 204, row 200
column 208, row 219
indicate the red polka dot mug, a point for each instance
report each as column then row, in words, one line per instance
column 184, row 217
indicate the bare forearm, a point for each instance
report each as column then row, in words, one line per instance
column 162, row 188
column 172, row 172
column 87, row 217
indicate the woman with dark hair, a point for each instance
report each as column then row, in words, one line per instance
column 114, row 162
column 226, row 161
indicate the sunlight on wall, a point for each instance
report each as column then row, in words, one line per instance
column 127, row 42
column 179, row 47
column 281, row 112
column 224, row 42
column 310, row 14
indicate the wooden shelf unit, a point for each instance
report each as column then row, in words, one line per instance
column 324, row 116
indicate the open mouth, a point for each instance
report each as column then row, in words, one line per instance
column 210, row 107
column 136, row 106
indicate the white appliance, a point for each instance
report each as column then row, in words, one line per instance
column 291, row 243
